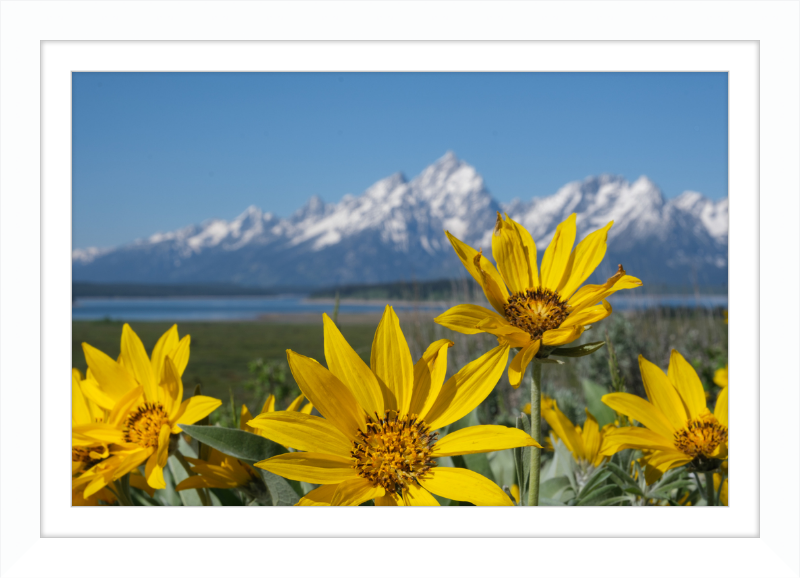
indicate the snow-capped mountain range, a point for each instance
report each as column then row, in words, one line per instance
column 394, row 231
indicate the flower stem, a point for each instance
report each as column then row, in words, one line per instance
column 710, row 493
column 536, row 432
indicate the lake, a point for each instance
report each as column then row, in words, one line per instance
column 250, row 308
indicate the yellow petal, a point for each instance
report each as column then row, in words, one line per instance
column 166, row 344
column 642, row 411
column 589, row 315
column 91, row 389
column 320, row 496
column 135, row 359
column 193, row 410
column 464, row 486
column 721, row 377
column 171, row 393
column 92, row 433
column 482, row 438
column 119, row 413
column 389, row 500
column 665, row 460
column 329, row 395
column 465, row 318
column 344, row 363
column 415, row 495
column 310, row 467
column 501, row 327
column 467, row 255
column 634, row 438
column 585, row 259
column 180, row 355
column 589, row 295
column 269, row 404
column 662, row 393
column 194, row 482
column 512, row 256
column 154, row 473
column 299, row 431
column 563, row 428
column 494, row 287
column 295, row 405
column 684, row 378
column 244, row 417
column 526, row 240
column 561, row 336
column 721, row 409
column 591, row 437
column 307, row 408
column 557, row 255
column 114, row 380
column 469, row 387
column 391, row 361
column 80, row 408
column 429, row 374
column 520, row 363
column 355, row 491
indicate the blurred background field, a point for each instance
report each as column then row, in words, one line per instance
column 247, row 359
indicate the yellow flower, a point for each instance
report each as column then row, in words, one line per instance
column 223, row 471
column 679, row 428
column 269, row 406
column 584, row 442
column 377, row 439
column 721, row 376
column 143, row 397
column 86, row 413
column 535, row 310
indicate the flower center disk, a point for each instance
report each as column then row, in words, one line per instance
column 701, row 437
column 144, row 424
column 394, row 451
column 536, row 311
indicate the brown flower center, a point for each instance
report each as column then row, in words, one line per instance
column 536, row 311
column 701, row 437
column 394, row 451
column 144, row 424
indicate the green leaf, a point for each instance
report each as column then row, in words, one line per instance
column 599, row 475
column 550, row 502
column 578, row 351
column 168, row 495
column 522, row 459
column 614, row 500
column 547, row 360
column 280, row 492
column 593, row 394
column 595, row 495
column 235, row 442
column 621, row 474
column 554, row 487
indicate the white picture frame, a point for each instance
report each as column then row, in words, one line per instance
column 43, row 42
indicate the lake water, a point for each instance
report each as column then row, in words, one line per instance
column 248, row 308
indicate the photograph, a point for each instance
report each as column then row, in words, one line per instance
column 399, row 288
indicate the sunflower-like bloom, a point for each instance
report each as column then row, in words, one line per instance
column 535, row 310
column 144, row 400
column 584, row 442
column 378, row 439
column 679, row 428
column 224, row 471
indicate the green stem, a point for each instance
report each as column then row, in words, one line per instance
column 710, row 494
column 536, row 432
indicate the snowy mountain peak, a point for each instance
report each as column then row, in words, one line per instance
column 394, row 230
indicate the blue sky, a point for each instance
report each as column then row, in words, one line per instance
column 158, row 151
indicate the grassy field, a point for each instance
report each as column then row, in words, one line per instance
column 221, row 351
column 224, row 354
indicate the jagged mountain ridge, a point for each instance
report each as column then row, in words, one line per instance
column 394, row 231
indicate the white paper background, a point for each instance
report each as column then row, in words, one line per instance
column 769, row 510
